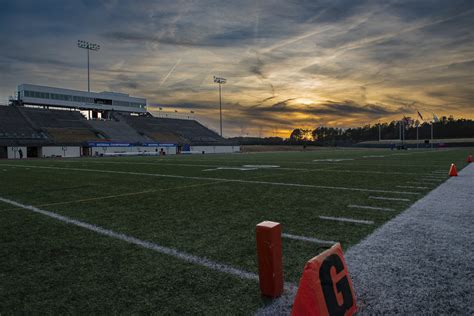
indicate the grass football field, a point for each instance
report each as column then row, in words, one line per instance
column 194, row 214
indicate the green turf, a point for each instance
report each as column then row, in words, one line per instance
column 51, row 267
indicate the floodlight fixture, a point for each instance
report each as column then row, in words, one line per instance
column 88, row 46
column 220, row 81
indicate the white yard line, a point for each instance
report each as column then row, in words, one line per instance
column 428, row 151
column 141, row 243
column 162, row 163
column 435, row 178
column 169, row 161
column 411, row 187
column 333, row 159
column 218, row 179
column 261, row 166
column 348, row 220
column 231, row 168
column 388, row 198
column 366, row 207
column 366, row 163
column 308, row 239
column 417, row 183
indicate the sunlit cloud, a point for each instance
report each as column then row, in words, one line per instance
column 288, row 64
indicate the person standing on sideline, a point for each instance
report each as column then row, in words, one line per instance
column 20, row 152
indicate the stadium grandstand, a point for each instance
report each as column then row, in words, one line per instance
column 28, row 94
column 187, row 131
column 52, row 122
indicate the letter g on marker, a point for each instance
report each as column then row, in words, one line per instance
column 325, row 287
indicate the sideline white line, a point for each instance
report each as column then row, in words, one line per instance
column 144, row 244
column 280, row 306
column 388, row 198
column 365, row 207
column 345, row 219
column 218, row 179
column 308, row 239
column 437, row 226
column 410, row 187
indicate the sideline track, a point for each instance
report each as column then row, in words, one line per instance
column 421, row 261
column 418, row 263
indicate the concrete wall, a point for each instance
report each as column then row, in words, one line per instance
column 13, row 152
column 136, row 150
column 215, row 149
column 3, row 152
column 61, row 151
column 73, row 151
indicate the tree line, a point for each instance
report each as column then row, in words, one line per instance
column 406, row 128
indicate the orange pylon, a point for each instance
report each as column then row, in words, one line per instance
column 270, row 262
column 469, row 159
column 453, row 172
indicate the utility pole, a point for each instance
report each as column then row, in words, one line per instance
column 400, row 129
column 403, row 133
column 220, row 81
column 88, row 46
column 432, row 134
column 417, row 142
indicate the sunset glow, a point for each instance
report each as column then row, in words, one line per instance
column 287, row 64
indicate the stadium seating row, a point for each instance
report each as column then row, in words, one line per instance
column 71, row 127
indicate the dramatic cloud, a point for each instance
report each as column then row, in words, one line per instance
column 288, row 63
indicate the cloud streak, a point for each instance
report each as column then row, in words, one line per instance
column 169, row 73
column 288, row 63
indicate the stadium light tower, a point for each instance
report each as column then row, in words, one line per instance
column 220, row 81
column 88, row 46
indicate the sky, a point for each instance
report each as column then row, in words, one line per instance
column 288, row 63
